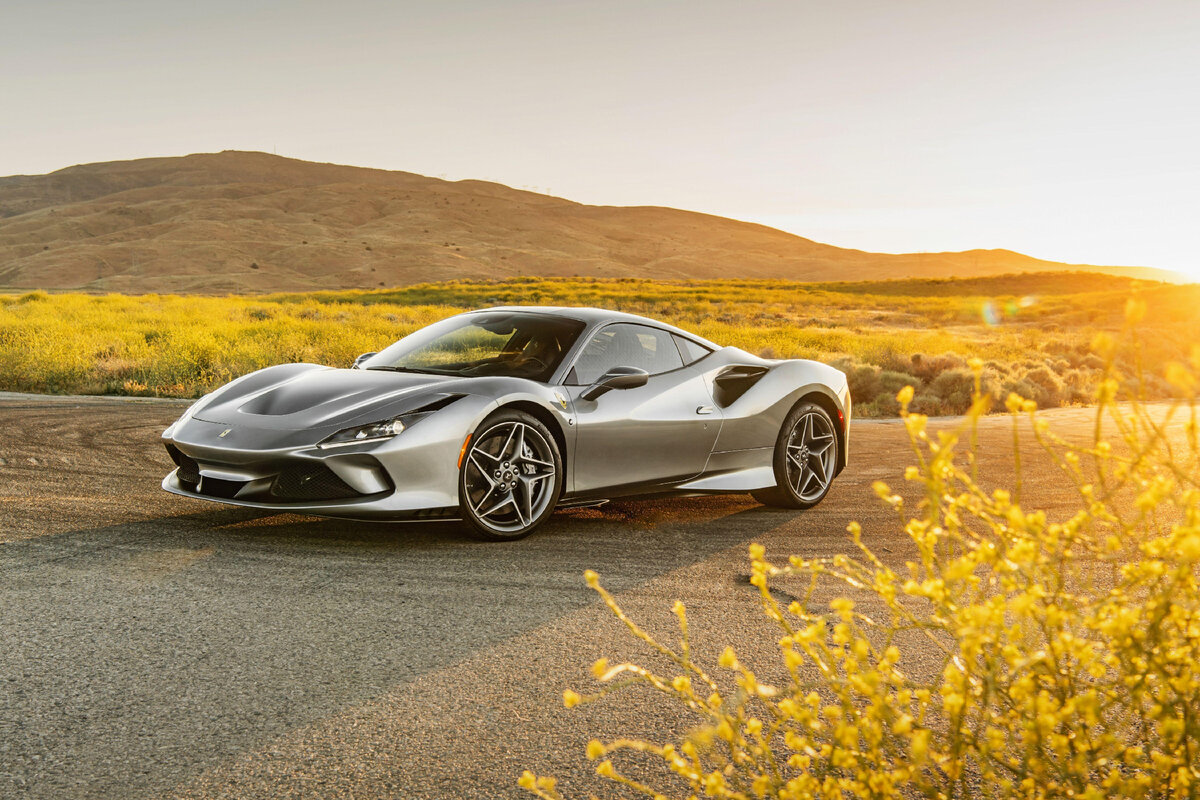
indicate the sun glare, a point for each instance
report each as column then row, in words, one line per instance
column 1192, row 274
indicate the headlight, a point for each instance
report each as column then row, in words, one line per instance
column 386, row 429
column 375, row 432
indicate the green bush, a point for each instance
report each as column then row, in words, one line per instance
column 929, row 367
column 1048, row 388
column 953, row 390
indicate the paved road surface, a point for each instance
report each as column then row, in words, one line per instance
column 153, row 646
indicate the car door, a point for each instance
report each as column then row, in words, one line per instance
column 640, row 438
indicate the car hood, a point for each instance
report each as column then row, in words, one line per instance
column 324, row 397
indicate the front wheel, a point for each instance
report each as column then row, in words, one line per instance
column 510, row 478
column 805, row 459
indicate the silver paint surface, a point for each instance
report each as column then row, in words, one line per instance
column 669, row 436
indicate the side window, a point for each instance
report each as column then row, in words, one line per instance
column 626, row 345
column 691, row 351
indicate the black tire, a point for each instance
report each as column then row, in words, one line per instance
column 503, row 497
column 798, row 483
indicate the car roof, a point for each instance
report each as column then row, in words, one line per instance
column 594, row 317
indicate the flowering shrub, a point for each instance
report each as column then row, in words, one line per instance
column 1070, row 647
column 884, row 334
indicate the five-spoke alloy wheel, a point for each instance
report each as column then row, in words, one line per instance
column 510, row 478
column 806, row 459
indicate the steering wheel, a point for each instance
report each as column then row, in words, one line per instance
column 525, row 360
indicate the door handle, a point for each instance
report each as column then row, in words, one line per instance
column 704, row 410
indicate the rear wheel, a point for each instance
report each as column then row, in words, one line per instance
column 805, row 459
column 510, row 478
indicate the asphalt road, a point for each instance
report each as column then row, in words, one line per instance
column 154, row 646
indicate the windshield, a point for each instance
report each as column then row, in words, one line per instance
column 507, row 343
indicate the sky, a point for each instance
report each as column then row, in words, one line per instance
column 1065, row 129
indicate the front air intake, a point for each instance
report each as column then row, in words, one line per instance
column 311, row 482
column 216, row 487
column 189, row 470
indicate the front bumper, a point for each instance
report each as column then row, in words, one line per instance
column 367, row 508
column 414, row 475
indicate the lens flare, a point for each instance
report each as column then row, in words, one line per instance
column 991, row 314
column 994, row 312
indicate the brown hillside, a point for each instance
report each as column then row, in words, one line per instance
column 252, row 222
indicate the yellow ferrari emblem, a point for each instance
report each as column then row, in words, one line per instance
column 224, row 433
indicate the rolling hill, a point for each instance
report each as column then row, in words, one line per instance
column 237, row 222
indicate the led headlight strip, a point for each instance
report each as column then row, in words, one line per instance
column 375, row 432
column 385, row 429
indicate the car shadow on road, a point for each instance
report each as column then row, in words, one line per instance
column 696, row 526
column 151, row 650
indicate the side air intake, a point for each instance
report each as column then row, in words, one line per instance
column 735, row 382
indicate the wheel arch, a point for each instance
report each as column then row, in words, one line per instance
column 548, row 418
column 831, row 406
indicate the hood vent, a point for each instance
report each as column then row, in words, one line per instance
column 437, row 404
column 334, row 390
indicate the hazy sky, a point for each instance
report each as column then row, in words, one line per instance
column 1069, row 130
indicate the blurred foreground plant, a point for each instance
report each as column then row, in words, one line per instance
column 1069, row 648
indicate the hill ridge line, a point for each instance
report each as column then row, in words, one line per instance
column 247, row 221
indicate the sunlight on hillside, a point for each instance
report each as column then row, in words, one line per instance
column 245, row 222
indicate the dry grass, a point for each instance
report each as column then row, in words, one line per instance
column 883, row 334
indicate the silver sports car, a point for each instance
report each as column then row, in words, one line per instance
column 498, row 417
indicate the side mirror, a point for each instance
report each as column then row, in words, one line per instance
column 358, row 362
column 616, row 378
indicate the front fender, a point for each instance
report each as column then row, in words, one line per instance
column 548, row 403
